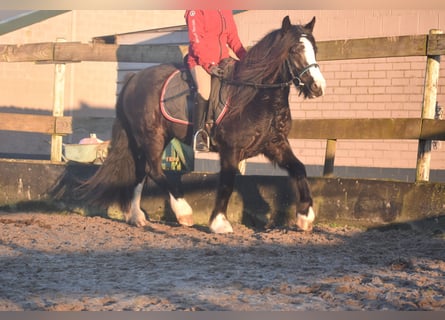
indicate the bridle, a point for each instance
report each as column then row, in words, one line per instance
column 295, row 78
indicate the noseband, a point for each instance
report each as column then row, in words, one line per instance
column 296, row 78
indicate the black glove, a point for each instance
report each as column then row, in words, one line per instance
column 217, row 71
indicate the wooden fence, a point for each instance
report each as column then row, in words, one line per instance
column 424, row 129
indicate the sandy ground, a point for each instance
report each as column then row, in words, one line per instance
column 71, row 262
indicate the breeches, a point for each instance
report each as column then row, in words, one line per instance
column 202, row 80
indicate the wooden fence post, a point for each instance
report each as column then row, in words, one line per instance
column 58, row 106
column 428, row 112
column 329, row 158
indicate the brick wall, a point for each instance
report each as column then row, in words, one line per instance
column 90, row 88
column 88, row 83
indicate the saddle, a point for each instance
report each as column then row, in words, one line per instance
column 178, row 97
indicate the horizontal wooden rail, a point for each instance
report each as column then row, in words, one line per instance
column 347, row 129
column 52, row 52
column 35, row 123
column 401, row 46
column 325, row 129
column 396, row 128
column 432, row 129
column 436, row 44
column 378, row 129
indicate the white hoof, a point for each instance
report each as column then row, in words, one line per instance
column 220, row 224
column 182, row 210
column 304, row 222
column 136, row 217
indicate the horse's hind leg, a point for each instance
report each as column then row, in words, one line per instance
column 282, row 155
column 218, row 220
column 134, row 215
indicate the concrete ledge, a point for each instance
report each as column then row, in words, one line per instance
column 369, row 203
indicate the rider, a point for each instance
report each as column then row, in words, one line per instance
column 211, row 33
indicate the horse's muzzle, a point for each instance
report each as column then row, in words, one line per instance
column 317, row 88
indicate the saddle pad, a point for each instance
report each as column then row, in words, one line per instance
column 176, row 100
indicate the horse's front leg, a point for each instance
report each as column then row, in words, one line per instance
column 229, row 167
column 180, row 207
column 153, row 169
column 282, row 154
column 305, row 212
column 134, row 214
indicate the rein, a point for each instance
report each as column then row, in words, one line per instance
column 294, row 78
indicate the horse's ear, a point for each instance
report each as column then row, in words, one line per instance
column 285, row 25
column 310, row 25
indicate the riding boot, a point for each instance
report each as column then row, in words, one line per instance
column 200, row 136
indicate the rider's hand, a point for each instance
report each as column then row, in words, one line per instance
column 217, row 71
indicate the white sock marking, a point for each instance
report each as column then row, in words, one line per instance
column 136, row 216
column 182, row 210
column 220, row 224
column 305, row 222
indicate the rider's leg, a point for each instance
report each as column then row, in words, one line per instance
column 203, row 84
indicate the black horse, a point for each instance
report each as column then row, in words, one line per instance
column 257, row 121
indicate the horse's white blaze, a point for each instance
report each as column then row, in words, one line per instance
column 136, row 216
column 305, row 222
column 315, row 73
column 182, row 210
column 220, row 224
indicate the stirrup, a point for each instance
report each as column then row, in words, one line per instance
column 195, row 138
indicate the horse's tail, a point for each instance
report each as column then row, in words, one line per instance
column 115, row 179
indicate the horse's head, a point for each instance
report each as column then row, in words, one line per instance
column 301, row 61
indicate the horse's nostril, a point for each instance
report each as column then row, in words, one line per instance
column 315, row 86
column 318, row 87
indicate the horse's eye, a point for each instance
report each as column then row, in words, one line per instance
column 296, row 48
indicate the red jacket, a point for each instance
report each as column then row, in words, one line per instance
column 210, row 31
